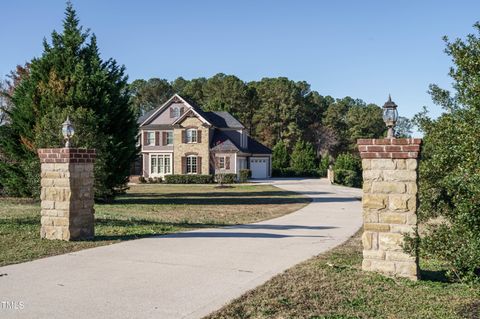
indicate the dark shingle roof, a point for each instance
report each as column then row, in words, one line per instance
column 223, row 120
column 145, row 116
column 221, row 142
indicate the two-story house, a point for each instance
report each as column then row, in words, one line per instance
column 178, row 137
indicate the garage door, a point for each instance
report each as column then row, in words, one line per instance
column 259, row 167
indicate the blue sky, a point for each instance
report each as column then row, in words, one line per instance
column 363, row 49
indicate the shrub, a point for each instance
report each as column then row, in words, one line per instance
column 142, row 180
column 226, row 178
column 348, row 178
column 154, row 180
column 348, row 170
column 449, row 170
column 189, row 179
column 245, row 175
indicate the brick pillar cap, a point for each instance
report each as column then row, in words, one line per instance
column 393, row 148
column 66, row 155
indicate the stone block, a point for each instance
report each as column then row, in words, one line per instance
column 370, row 240
column 383, row 164
column 399, row 202
column 407, row 269
column 412, row 219
column 376, row 227
column 388, row 188
column 47, row 220
column 399, row 256
column 62, row 205
column 60, row 221
column 61, row 182
column 374, row 201
column 402, row 229
column 401, row 164
column 412, row 188
column 400, row 175
column 51, row 174
column 382, row 266
column 372, row 175
column 370, row 216
column 392, row 218
column 374, row 254
column 390, row 241
column 367, row 186
column 366, row 164
column 412, row 164
column 46, row 182
column 47, row 204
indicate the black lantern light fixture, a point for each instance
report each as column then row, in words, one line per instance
column 390, row 116
column 67, row 131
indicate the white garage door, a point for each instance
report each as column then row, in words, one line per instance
column 259, row 167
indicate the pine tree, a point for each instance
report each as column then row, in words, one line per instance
column 70, row 79
column 280, row 156
column 303, row 156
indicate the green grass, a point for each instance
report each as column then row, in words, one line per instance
column 333, row 286
column 145, row 210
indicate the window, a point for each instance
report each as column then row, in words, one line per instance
column 150, row 140
column 169, row 138
column 176, row 112
column 160, row 164
column 221, row 162
column 191, row 164
column 191, row 136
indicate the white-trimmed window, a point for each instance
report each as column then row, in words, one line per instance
column 191, row 164
column 160, row 164
column 169, row 138
column 150, row 138
column 191, row 136
column 221, row 162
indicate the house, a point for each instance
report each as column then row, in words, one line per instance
column 178, row 137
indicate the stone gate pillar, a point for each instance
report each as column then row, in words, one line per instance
column 67, row 193
column 389, row 204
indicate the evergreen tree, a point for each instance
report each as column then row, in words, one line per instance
column 70, row 79
column 449, row 170
column 303, row 156
column 280, row 156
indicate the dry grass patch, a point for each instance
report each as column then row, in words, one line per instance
column 333, row 286
column 145, row 210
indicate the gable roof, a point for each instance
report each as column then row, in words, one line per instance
column 219, row 119
column 197, row 111
column 150, row 115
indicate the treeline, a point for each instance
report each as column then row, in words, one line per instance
column 274, row 110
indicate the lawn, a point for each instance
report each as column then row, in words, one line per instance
column 332, row 286
column 145, row 210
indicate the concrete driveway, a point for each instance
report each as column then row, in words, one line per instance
column 184, row 275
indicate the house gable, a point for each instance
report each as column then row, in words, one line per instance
column 164, row 114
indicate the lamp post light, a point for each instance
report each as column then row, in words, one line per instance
column 67, row 131
column 390, row 116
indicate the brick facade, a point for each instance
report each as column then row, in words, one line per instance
column 67, row 193
column 182, row 149
column 389, row 204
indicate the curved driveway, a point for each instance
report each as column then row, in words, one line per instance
column 184, row 275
